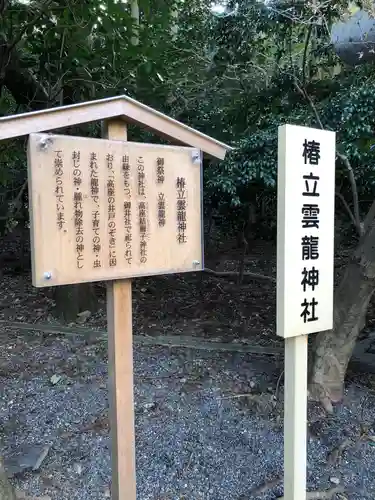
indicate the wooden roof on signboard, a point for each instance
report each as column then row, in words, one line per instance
column 122, row 107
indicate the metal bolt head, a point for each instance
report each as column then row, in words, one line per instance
column 47, row 275
column 196, row 156
column 45, row 141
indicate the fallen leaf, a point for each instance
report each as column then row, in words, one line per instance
column 334, row 480
column 55, row 379
column 27, row 457
column 83, row 316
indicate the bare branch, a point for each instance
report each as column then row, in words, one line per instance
column 28, row 25
column 310, row 495
column 369, row 218
column 322, row 495
column 268, row 485
column 14, row 206
column 233, row 274
column 3, row 6
column 306, row 96
column 241, row 266
column 353, row 183
column 350, row 213
column 308, row 36
column 334, row 457
column 18, row 198
column 134, row 8
column 22, row 84
column 343, row 158
column 315, row 18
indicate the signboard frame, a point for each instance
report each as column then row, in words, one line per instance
column 53, row 242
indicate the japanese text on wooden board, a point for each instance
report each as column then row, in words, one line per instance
column 120, row 209
column 306, row 190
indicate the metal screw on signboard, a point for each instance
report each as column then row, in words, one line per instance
column 45, row 142
column 196, row 156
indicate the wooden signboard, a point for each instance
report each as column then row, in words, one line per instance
column 107, row 209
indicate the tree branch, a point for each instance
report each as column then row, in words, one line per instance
column 353, row 183
column 322, row 495
column 310, row 495
column 22, row 84
column 3, row 6
column 134, row 12
column 20, row 81
column 344, row 202
column 14, row 205
column 308, row 36
column 343, row 158
column 233, row 274
column 306, row 96
column 6, row 489
column 369, row 218
column 28, row 25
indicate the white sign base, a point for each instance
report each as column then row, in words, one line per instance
column 295, row 417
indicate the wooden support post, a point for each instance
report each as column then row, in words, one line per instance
column 295, row 417
column 120, row 360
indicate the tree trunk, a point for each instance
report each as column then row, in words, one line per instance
column 134, row 11
column 174, row 21
column 332, row 349
column 73, row 299
column 20, row 81
column 6, row 489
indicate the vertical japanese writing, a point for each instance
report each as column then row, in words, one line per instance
column 127, row 210
column 142, row 210
column 181, row 210
column 311, row 152
column 78, row 208
column 128, row 231
column 161, row 209
column 111, row 198
column 141, row 176
column 59, row 189
column 126, row 174
column 142, row 217
column 95, row 214
column 310, row 240
column 160, row 170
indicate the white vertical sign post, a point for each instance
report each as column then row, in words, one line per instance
column 305, row 256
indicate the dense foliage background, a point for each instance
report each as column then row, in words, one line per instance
column 236, row 73
column 233, row 70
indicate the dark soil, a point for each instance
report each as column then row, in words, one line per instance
column 195, row 304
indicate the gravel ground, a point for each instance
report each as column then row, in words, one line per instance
column 208, row 426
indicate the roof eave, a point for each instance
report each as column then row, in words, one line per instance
column 116, row 107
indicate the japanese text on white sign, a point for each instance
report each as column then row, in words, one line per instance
column 305, row 234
